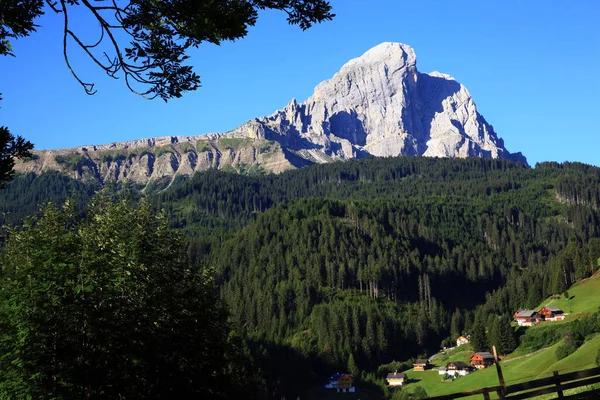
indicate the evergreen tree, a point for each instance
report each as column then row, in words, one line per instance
column 456, row 324
column 479, row 340
column 494, row 335
column 352, row 367
column 507, row 343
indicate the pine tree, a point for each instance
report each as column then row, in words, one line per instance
column 456, row 324
column 352, row 367
column 508, row 342
column 479, row 340
column 494, row 337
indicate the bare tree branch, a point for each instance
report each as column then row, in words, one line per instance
column 88, row 87
column 162, row 31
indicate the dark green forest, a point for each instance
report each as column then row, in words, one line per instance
column 353, row 265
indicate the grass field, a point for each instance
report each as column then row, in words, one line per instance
column 460, row 353
column 538, row 365
column 522, row 365
column 583, row 298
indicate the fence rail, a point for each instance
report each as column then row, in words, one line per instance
column 553, row 384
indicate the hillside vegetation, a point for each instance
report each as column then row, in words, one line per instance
column 583, row 298
column 525, row 363
column 352, row 265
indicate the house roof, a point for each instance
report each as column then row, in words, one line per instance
column 458, row 365
column 553, row 309
column 525, row 313
column 421, row 362
column 461, row 338
column 483, row 354
column 396, row 375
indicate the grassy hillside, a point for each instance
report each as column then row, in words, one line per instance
column 523, row 364
column 460, row 353
column 583, row 298
column 538, row 365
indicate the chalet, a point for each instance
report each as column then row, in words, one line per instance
column 462, row 340
column 482, row 360
column 396, row 379
column 458, row 368
column 552, row 313
column 527, row 317
column 421, row 365
column 345, row 383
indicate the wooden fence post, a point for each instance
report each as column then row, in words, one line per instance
column 558, row 389
column 502, row 391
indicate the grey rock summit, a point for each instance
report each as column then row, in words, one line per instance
column 379, row 104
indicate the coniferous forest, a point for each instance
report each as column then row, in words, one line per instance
column 354, row 265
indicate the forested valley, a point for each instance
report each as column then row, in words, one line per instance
column 355, row 265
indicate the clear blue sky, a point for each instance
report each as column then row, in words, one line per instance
column 532, row 67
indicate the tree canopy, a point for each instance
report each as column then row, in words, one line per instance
column 351, row 265
column 159, row 33
column 107, row 307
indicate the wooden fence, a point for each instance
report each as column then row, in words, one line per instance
column 554, row 384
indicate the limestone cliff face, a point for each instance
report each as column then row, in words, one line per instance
column 160, row 159
column 377, row 105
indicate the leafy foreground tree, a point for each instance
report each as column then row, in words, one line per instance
column 106, row 307
column 159, row 34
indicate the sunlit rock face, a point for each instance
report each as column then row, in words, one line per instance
column 379, row 104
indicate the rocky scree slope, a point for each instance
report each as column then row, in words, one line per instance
column 377, row 105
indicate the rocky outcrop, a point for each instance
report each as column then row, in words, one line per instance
column 160, row 159
column 377, row 105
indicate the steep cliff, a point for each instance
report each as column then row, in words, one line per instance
column 377, row 105
column 164, row 158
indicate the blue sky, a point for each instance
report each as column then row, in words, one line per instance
column 532, row 67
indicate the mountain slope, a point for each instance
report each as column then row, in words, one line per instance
column 378, row 104
column 526, row 364
column 380, row 258
column 164, row 158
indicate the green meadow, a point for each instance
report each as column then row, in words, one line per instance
column 583, row 299
column 521, row 365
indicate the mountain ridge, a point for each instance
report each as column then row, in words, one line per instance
column 377, row 104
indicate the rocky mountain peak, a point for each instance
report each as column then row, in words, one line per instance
column 380, row 104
